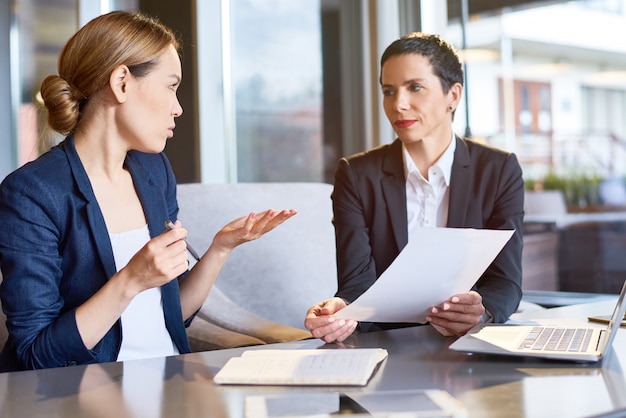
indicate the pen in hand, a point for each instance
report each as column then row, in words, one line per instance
column 170, row 225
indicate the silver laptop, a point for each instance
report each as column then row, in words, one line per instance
column 554, row 341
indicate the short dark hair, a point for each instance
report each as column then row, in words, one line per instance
column 447, row 65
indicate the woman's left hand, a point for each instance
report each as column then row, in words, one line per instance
column 458, row 314
column 251, row 227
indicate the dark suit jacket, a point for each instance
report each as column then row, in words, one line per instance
column 370, row 216
column 55, row 253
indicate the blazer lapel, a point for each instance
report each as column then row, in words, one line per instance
column 94, row 214
column 155, row 208
column 150, row 195
column 153, row 205
column 394, row 192
column 460, row 181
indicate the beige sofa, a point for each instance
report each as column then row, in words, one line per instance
column 266, row 286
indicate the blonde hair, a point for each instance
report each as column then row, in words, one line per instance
column 91, row 55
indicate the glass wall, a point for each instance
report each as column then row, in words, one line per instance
column 547, row 81
column 40, row 29
column 277, row 78
column 554, row 94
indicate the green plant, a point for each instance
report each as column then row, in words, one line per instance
column 579, row 187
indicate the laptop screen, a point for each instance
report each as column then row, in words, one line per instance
column 616, row 319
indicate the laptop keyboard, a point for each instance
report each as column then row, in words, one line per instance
column 557, row 339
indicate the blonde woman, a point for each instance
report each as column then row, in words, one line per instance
column 91, row 273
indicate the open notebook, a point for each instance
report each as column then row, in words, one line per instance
column 336, row 367
column 558, row 340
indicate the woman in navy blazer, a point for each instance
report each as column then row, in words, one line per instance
column 474, row 186
column 66, row 299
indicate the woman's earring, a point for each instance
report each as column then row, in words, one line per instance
column 449, row 107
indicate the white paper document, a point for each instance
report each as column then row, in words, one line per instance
column 436, row 264
column 336, row 367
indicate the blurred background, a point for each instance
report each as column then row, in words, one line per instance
column 278, row 90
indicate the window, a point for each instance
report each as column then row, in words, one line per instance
column 277, row 78
column 41, row 28
column 556, row 84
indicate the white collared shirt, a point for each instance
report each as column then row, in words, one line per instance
column 428, row 201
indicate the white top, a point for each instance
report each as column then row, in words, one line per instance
column 144, row 333
column 427, row 201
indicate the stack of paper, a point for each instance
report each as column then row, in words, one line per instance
column 336, row 367
column 436, row 264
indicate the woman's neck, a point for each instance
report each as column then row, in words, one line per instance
column 426, row 152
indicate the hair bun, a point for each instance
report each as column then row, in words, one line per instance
column 62, row 102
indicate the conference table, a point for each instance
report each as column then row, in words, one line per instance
column 419, row 359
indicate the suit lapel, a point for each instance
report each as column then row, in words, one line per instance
column 94, row 214
column 155, row 208
column 146, row 191
column 151, row 196
column 460, row 182
column 394, row 192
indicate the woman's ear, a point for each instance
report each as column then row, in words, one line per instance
column 118, row 82
column 454, row 95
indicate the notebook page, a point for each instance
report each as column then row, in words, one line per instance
column 302, row 367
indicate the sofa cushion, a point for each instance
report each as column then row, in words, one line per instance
column 279, row 276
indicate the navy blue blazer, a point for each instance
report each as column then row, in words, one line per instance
column 370, row 217
column 55, row 253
